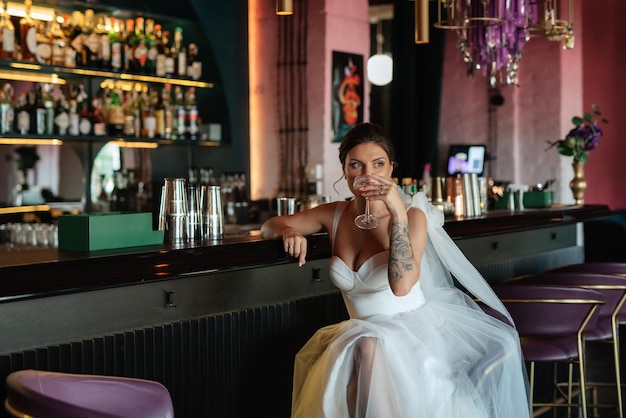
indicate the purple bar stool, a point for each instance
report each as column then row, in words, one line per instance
column 606, row 328
column 598, row 267
column 42, row 394
column 551, row 322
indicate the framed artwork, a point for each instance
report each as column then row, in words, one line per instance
column 347, row 94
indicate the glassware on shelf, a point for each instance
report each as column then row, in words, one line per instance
column 365, row 220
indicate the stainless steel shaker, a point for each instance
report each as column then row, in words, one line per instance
column 212, row 213
column 194, row 213
column 175, row 210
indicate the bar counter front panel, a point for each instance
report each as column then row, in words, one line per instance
column 219, row 324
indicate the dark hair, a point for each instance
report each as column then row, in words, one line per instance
column 364, row 133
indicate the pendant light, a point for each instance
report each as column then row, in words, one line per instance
column 284, row 7
column 379, row 65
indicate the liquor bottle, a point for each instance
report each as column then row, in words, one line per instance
column 74, row 119
column 37, row 111
column 166, row 94
column 159, row 115
column 61, row 116
column 97, row 120
column 84, row 121
column 194, row 64
column 170, row 56
column 103, row 23
column 181, row 59
column 22, row 120
column 77, row 40
column 7, row 111
column 148, row 116
column 43, row 50
column 91, row 48
column 130, row 63
column 28, row 34
column 129, row 117
column 151, row 45
column 159, row 68
column 192, row 114
column 141, row 47
column 137, row 104
column 117, row 40
column 180, row 114
column 48, row 104
column 7, row 34
column 115, row 125
column 58, row 41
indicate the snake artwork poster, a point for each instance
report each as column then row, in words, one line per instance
column 347, row 93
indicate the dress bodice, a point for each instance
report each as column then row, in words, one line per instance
column 366, row 292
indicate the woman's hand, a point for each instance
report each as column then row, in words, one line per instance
column 295, row 244
column 388, row 193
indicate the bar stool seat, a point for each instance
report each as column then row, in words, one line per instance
column 43, row 394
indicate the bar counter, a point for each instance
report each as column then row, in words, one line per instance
column 37, row 272
column 220, row 322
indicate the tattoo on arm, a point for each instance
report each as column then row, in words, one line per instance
column 400, row 253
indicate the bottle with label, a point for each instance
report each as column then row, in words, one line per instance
column 48, row 104
column 91, row 49
column 161, row 53
column 116, row 117
column 74, row 34
column 117, row 40
column 74, row 119
column 97, row 120
column 61, row 116
column 22, row 119
column 194, row 64
column 192, row 114
column 7, row 111
column 166, row 94
column 84, row 118
column 7, row 34
column 43, row 50
column 151, row 44
column 180, row 114
column 159, row 114
column 129, row 117
column 141, row 46
column 38, row 111
column 130, row 63
column 181, row 60
column 103, row 25
column 28, row 34
column 148, row 116
column 58, row 41
column 171, row 56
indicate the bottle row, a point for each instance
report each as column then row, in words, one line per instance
column 98, row 41
column 142, row 112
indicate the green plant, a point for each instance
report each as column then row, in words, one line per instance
column 27, row 157
column 584, row 137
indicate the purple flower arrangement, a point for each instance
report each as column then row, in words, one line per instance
column 584, row 137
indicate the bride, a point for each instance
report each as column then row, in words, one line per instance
column 415, row 345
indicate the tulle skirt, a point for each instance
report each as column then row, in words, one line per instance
column 444, row 359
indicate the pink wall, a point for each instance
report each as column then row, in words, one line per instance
column 554, row 86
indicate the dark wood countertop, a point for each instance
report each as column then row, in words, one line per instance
column 41, row 272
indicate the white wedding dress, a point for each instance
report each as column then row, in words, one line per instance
column 438, row 355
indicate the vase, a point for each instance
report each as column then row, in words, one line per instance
column 578, row 183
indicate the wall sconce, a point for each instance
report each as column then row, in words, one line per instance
column 421, row 22
column 284, row 7
column 379, row 65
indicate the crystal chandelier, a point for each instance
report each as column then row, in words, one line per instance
column 491, row 34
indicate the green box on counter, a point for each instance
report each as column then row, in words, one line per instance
column 104, row 231
column 531, row 200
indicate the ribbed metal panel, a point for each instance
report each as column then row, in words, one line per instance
column 237, row 364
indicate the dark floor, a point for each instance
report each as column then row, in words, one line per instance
column 600, row 368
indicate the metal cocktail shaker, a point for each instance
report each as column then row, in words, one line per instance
column 194, row 215
column 174, row 210
column 212, row 213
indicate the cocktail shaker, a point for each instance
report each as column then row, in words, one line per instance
column 174, row 210
column 194, row 213
column 212, row 213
